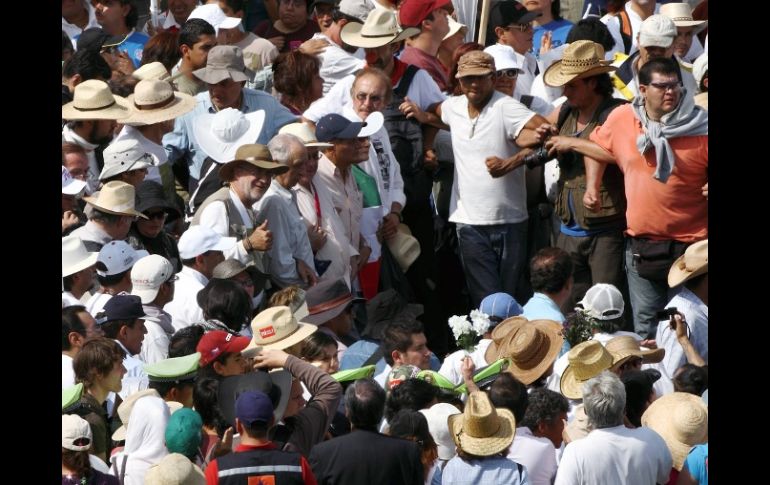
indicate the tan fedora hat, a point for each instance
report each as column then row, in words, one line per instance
column 152, row 70
column 482, row 430
column 381, row 28
column 682, row 420
column 93, row 100
column 257, row 155
column 326, row 300
column 586, row 360
column 404, row 247
column 276, row 328
column 155, row 101
column 304, row 132
column 625, row 347
column 681, row 14
column 116, row 198
column 224, row 62
column 500, row 333
column 74, row 256
column 582, row 58
column 532, row 349
column 694, row 262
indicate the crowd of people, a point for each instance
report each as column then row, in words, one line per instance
column 341, row 242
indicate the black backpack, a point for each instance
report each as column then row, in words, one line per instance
column 405, row 136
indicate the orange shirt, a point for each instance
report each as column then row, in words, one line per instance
column 675, row 210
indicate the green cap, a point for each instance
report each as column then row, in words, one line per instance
column 400, row 374
column 174, row 369
column 354, row 374
column 436, row 379
column 485, row 375
column 71, row 396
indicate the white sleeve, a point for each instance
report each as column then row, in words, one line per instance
column 424, row 91
column 215, row 217
column 449, row 370
column 332, row 102
column 613, row 25
column 515, row 116
column 154, row 350
column 568, row 472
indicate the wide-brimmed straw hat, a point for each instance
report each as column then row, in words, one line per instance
column 682, row 420
column 532, row 349
column 93, row 100
column 277, row 328
column 582, row 58
column 155, row 101
column 116, row 198
column 681, row 14
column 482, row 430
column 381, row 28
column 625, row 347
column 174, row 469
column 500, row 333
column 404, row 247
column 694, row 262
column 586, row 360
column 152, row 70
column 221, row 134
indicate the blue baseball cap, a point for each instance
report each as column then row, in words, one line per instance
column 501, row 306
column 121, row 307
column 336, row 127
column 252, row 407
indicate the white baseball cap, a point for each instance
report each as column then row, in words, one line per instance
column 214, row 15
column 603, row 302
column 117, row 257
column 75, row 433
column 124, row 155
column 199, row 239
column 657, row 31
column 69, row 184
column 148, row 274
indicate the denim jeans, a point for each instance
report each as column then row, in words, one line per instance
column 647, row 297
column 492, row 257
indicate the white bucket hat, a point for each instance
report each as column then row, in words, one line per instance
column 154, row 101
column 69, row 184
column 305, row 133
column 116, row 198
column 74, row 256
column 404, row 247
column 125, row 155
column 506, row 59
column 117, row 257
column 93, row 100
column 221, row 134
column 381, row 28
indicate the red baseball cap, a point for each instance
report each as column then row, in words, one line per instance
column 413, row 12
column 217, row 342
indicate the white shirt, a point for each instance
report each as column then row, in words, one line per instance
column 67, row 372
column 68, row 299
column 613, row 25
column 184, row 307
column 73, row 30
column 346, row 199
column 337, row 63
column 696, row 314
column 215, row 217
column 290, row 240
column 131, row 133
column 616, row 455
column 535, row 453
column 135, row 379
column 477, row 198
column 158, row 336
column 423, row 91
column 451, row 368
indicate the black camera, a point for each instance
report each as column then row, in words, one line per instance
column 666, row 314
column 539, row 156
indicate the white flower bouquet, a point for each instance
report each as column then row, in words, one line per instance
column 467, row 330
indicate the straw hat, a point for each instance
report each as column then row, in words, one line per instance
column 174, row 469
column 624, row 347
column 582, row 58
column 276, row 328
column 221, row 134
column 694, row 262
column 381, row 28
column 682, row 420
column 155, row 101
column 500, row 333
column 532, row 349
column 404, row 247
column 152, row 70
column 681, row 14
column 93, row 100
column 74, row 256
column 482, row 430
column 586, row 360
column 116, row 198
column 305, row 133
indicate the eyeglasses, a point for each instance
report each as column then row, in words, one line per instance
column 172, row 280
column 673, row 86
column 156, row 215
column 247, row 282
column 520, row 27
column 372, row 97
column 511, row 73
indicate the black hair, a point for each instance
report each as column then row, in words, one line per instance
column 398, row 336
column 638, row 390
column 68, row 282
column 658, row 65
column 592, row 29
column 185, row 341
column 365, row 404
column 71, row 322
column 412, row 394
column 692, row 379
column 508, row 392
column 192, row 30
column 550, row 270
column 236, row 5
column 112, row 328
column 89, row 64
column 544, row 405
column 109, row 280
column 205, row 401
column 314, row 345
column 226, row 301
column 66, row 43
column 337, row 16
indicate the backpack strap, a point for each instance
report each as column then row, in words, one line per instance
column 375, row 357
column 564, row 111
column 625, row 29
column 526, row 100
column 406, row 80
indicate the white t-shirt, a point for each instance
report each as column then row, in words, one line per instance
column 337, row 63
column 535, row 453
column 67, row 372
column 477, row 198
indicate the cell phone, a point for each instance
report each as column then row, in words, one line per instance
column 667, row 314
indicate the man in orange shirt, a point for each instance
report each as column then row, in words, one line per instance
column 660, row 143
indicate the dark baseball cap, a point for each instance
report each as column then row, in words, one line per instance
column 509, row 12
column 95, row 39
column 336, row 127
column 252, row 407
column 121, row 307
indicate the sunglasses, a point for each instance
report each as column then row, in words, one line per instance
column 511, row 73
column 520, row 27
column 674, row 86
column 161, row 215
